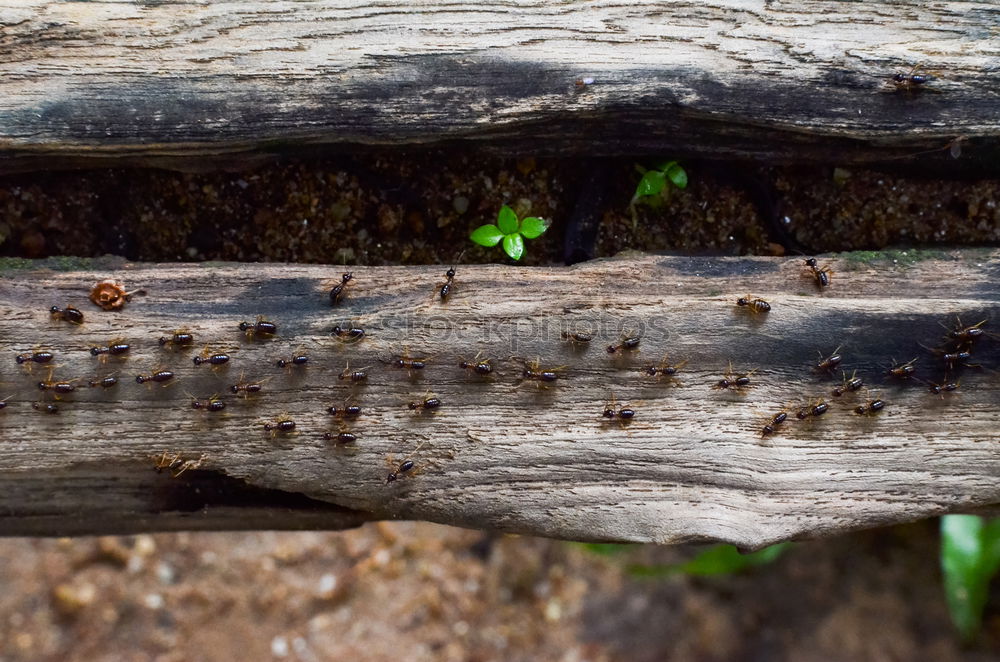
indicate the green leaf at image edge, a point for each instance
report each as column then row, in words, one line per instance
column 970, row 557
column 507, row 220
column 533, row 227
column 717, row 560
column 486, row 235
column 513, row 245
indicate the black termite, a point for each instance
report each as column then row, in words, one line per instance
column 341, row 437
column 103, row 382
column 430, row 402
column 259, row 328
column 114, row 348
column 211, row 404
column 576, row 338
column 902, row 371
column 628, row 341
column 870, row 408
column 446, row 288
column 337, row 293
column 281, row 424
column 852, row 384
column 817, row 408
column 477, row 365
column 772, row 425
column 34, row 357
column 967, row 333
column 820, row 275
column 158, row 376
column 179, row 338
column 215, row 359
column 296, row 359
column 404, row 468
column 829, row 363
column 755, row 305
column 358, row 375
column 348, row 334
column 67, row 314
column 46, row 407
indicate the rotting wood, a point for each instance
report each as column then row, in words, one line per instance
column 199, row 84
column 499, row 455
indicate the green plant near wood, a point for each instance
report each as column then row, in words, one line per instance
column 511, row 231
column 657, row 183
column 970, row 557
column 716, row 560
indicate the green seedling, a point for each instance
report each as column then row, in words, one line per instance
column 510, row 231
column 970, row 557
column 655, row 185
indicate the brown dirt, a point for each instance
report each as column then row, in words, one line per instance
column 409, row 591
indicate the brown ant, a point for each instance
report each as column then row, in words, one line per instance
column 817, row 408
column 297, row 359
column 358, row 375
column 402, row 469
column 665, row 370
column 261, row 327
column 820, row 275
column 955, row 357
column 116, row 347
column 430, row 403
column 941, row 389
column 342, row 437
column 541, row 376
column 967, row 333
column 337, row 293
column 350, row 334
column 870, row 408
column 613, row 411
column 245, row 388
column 577, row 338
column 734, row 381
column 478, row 365
column 175, row 463
column 910, row 82
column 159, row 376
column 629, row 342
column 449, row 283
column 103, row 382
column 771, row 426
column 67, row 314
column 829, row 364
column 46, row 407
column 214, row 359
column 282, row 424
column 852, row 384
column 180, row 338
column 57, row 387
column 404, row 362
column 902, row 370
column 755, row 305
column 28, row 358
column 212, row 403
column 345, row 411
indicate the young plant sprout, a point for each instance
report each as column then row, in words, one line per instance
column 510, row 231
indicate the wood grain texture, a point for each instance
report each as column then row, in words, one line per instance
column 171, row 83
column 500, row 454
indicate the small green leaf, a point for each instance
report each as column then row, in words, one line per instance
column 513, row 245
column 507, row 220
column 533, row 227
column 676, row 174
column 717, row 560
column 652, row 183
column 665, row 166
column 970, row 557
column 486, row 235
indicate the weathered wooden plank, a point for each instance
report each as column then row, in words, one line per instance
column 179, row 83
column 499, row 453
